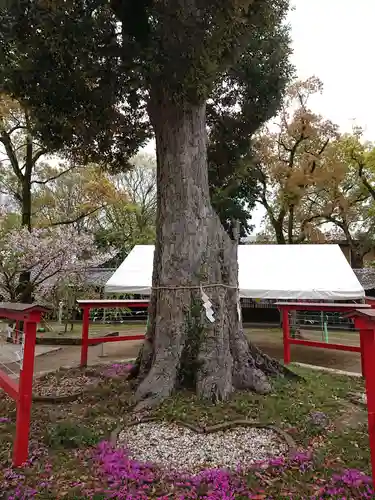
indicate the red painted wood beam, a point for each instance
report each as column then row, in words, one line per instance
column 9, row 385
column 323, row 345
column 104, row 340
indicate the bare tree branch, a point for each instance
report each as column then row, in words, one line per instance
column 53, row 178
column 39, row 154
column 79, row 217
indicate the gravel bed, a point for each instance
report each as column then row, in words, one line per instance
column 51, row 385
column 178, row 448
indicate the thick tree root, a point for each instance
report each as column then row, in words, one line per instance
column 270, row 366
column 250, row 372
column 248, row 369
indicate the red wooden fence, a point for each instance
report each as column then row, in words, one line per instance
column 87, row 305
column 22, row 391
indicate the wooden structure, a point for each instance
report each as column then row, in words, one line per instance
column 22, row 391
column 364, row 321
column 287, row 307
column 87, row 305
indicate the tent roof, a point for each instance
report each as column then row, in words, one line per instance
column 315, row 272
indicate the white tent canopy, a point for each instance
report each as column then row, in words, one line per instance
column 282, row 272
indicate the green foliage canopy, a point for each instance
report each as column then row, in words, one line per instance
column 87, row 82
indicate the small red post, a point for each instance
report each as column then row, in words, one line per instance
column 21, row 445
column 368, row 342
column 286, row 335
column 85, row 336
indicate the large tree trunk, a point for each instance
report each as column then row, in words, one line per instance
column 193, row 253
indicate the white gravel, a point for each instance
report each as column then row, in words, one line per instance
column 175, row 447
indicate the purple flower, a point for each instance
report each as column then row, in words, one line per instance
column 117, row 370
column 276, row 462
column 318, row 418
column 352, row 477
column 302, row 457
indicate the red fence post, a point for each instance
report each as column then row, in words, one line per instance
column 21, row 445
column 286, row 335
column 85, row 336
column 368, row 342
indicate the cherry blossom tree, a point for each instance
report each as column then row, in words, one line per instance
column 53, row 258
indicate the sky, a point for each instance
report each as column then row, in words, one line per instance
column 333, row 40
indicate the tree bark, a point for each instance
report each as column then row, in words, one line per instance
column 291, row 225
column 24, row 287
column 279, row 233
column 356, row 258
column 192, row 253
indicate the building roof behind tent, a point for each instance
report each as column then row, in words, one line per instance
column 366, row 277
column 282, row 272
column 93, row 276
column 98, row 276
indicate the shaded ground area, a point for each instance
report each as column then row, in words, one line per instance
column 268, row 340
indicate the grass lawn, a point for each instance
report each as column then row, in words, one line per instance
column 67, row 462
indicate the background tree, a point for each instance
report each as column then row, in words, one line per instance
column 361, row 156
column 35, row 187
column 344, row 200
column 292, row 164
column 36, row 181
column 19, row 164
column 169, row 57
column 21, row 155
column 77, row 197
column 130, row 220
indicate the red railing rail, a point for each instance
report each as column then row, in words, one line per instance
column 22, row 390
column 87, row 305
column 286, row 307
column 364, row 321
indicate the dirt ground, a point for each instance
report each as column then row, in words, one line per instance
column 270, row 341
